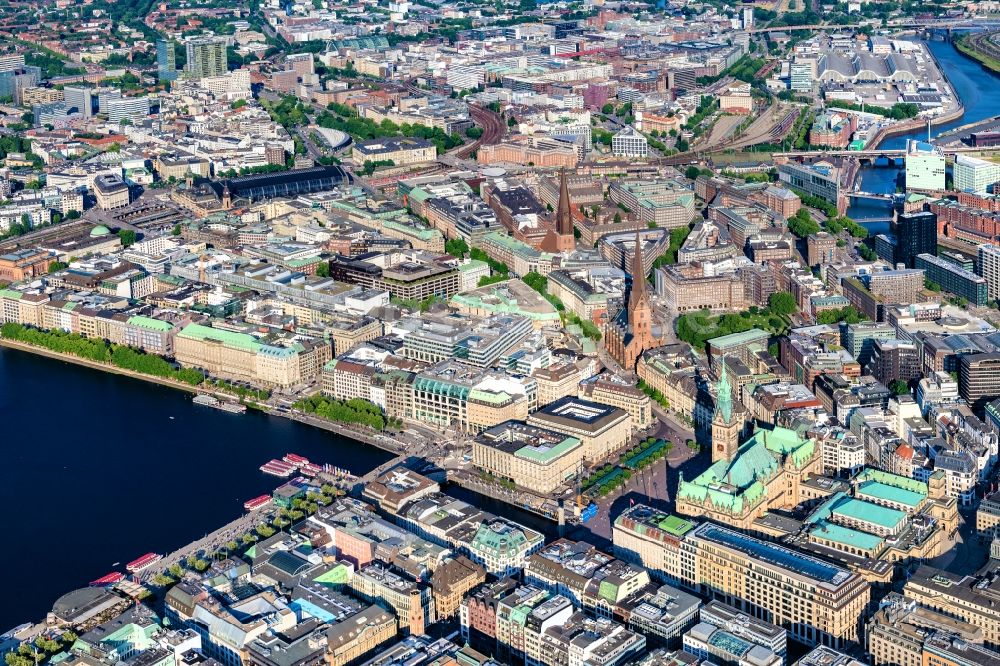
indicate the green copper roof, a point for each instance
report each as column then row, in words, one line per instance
column 545, row 455
column 736, row 339
column 10, row 293
column 891, row 487
column 847, row 536
column 738, row 483
column 725, row 391
column 231, row 339
column 867, row 511
column 150, row 324
column 676, row 526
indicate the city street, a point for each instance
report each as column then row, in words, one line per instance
column 655, row 485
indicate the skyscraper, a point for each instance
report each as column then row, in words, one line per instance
column 79, row 99
column 166, row 60
column 916, row 233
column 989, row 268
column 206, row 57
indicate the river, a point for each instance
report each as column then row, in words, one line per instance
column 979, row 90
column 101, row 468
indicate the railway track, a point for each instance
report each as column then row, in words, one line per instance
column 983, row 44
column 493, row 131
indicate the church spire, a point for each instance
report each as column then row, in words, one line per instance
column 564, row 217
column 724, row 403
column 638, row 292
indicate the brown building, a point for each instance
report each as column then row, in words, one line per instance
column 451, row 581
column 359, row 635
column 537, row 151
column 821, row 248
column 631, row 332
column 23, row 264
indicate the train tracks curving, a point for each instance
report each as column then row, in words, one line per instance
column 493, row 131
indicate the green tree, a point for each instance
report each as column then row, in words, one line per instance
column 127, row 237
column 692, row 172
column 456, row 247
column 176, row 231
column 323, row 270
column 782, row 303
column 56, row 266
column 899, row 387
column 608, row 109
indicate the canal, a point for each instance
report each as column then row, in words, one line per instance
column 100, row 468
column 979, row 90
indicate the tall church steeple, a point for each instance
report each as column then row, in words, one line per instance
column 564, row 216
column 726, row 426
column 724, row 403
column 559, row 237
column 637, row 296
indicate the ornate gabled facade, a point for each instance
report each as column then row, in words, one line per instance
column 560, row 237
column 630, row 332
column 765, row 474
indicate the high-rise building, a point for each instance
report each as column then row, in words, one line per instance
column 975, row 175
column 859, row 339
column 979, row 379
column 166, row 60
column 916, row 233
column 206, row 57
column 132, row 109
column 746, row 16
column 989, row 268
column 924, row 166
column 11, row 62
column 79, row 100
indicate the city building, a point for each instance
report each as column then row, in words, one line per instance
column 206, row 57
column 819, row 602
column 979, row 379
column 954, row 279
column 403, row 151
column 629, row 142
column 915, row 233
column 111, row 192
column 411, row 601
column 539, row 460
column 989, row 268
column 924, row 166
column 821, row 248
column 166, row 60
column 711, row 643
column 820, row 179
column 972, row 174
column 602, row 429
column 970, row 598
